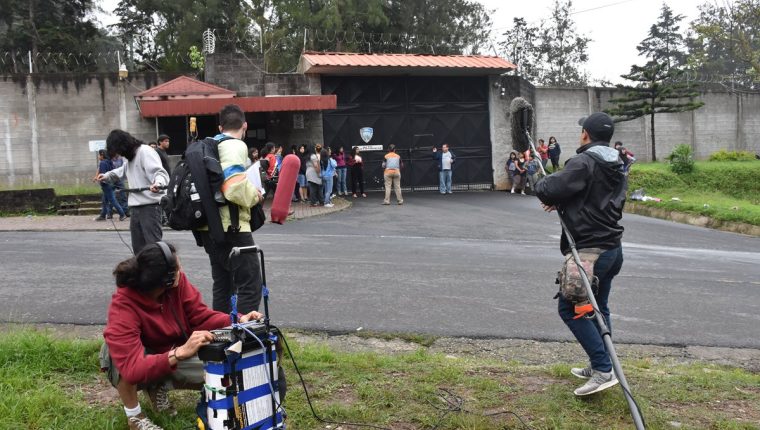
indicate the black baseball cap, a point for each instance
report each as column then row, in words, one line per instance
column 599, row 126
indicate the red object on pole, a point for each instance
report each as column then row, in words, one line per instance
column 286, row 183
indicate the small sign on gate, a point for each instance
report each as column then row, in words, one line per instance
column 365, row 148
column 96, row 145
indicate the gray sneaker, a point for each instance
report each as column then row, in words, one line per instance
column 583, row 373
column 599, row 381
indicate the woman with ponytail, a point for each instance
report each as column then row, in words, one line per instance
column 157, row 321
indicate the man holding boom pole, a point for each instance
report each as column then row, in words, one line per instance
column 589, row 194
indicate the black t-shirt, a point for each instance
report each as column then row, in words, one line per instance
column 164, row 160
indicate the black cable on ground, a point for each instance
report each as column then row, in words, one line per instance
column 306, row 391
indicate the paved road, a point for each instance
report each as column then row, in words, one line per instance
column 471, row 264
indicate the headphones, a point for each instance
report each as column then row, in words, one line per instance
column 171, row 265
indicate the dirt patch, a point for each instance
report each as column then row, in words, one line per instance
column 97, row 392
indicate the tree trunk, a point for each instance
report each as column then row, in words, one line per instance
column 654, row 153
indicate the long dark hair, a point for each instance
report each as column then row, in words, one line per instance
column 122, row 143
column 146, row 271
column 324, row 158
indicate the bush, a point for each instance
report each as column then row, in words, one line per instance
column 681, row 160
column 724, row 155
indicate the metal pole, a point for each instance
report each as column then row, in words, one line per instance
column 606, row 335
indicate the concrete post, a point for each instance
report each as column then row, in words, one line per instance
column 122, row 105
column 9, row 152
column 741, row 145
column 31, row 94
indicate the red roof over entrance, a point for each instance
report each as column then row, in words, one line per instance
column 212, row 106
column 187, row 96
column 346, row 62
column 184, row 87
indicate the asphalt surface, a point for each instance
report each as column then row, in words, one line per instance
column 478, row 264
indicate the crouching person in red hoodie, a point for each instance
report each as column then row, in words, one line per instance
column 157, row 321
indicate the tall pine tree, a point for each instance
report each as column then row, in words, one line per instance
column 659, row 86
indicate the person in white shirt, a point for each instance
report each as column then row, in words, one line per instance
column 143, row 170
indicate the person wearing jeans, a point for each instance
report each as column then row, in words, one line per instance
column 342, row 169
column 327, row 165
column 445, row 160
column 392, row 175
column 589, row 194
column 586, row 330
column 108, row 198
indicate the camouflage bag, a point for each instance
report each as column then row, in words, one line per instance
column 571, row 286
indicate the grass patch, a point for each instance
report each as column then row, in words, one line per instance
column 60, row 190
column 725, row 190
column 49, row 383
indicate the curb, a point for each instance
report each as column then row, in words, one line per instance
column 692, row 219
column 71, row 223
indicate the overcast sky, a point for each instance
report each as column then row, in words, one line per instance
column 615, row 26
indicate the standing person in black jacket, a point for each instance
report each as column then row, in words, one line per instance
column 589, row 194
column 554, row 152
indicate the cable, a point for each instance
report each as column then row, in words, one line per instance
column 306, row 391
column 457, row 405
column 131, row 251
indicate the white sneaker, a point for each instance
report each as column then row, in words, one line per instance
column 141, row 422
column 329, row 205
column 599, row 381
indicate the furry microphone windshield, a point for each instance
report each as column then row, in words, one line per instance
column 521, row 117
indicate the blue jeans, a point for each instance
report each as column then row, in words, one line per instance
column 108, row 200
column 586, row 330
column 327, row 188
column 444, row 181
column 342, row 188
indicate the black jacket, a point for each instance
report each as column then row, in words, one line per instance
column 589, row 194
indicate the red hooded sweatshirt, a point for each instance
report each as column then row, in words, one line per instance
column 137, row 322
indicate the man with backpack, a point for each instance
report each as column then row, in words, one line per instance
column 240, row 195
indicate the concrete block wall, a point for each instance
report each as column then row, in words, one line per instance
column 238, row 73
column 500, row 121
column 750, row 120
column 283, row 84
column 285, row 134
column 15, row 133
column 67, row 118
column 727, row 121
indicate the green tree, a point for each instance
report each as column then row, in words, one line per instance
column 552, row 53
column 53, row 31
column 724, row 41
column 665, row 44
column 159, row 35
column 519, row 45
column 440, row 27
column 562, row 50
column 659, row 86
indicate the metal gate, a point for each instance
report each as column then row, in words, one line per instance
column 415, row 113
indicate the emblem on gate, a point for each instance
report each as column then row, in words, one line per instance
column 366, row 133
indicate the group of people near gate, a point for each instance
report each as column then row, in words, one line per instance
column 322, row 174
column 157, row 320
column 523, row 169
